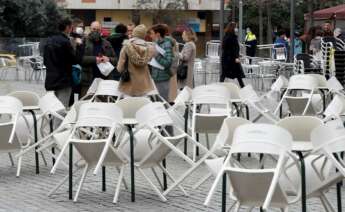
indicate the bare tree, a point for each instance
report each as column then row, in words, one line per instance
column 161, row 9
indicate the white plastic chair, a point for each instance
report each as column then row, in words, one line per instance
column 214, row 158
column 299, row 94
column 300, row 128
column 251, row 98
column 269, row 192
column 10, row 111
column 92, row 89
column 203, row 120
column 107, row 91
column 155, row 118
column 92, row 136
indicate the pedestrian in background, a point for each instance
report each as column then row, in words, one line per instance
column 97, row 50
column 187, row 56
column 134, row 58
column 59, row 56
column 231, row 65
column 161, row 72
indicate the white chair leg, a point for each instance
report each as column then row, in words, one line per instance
column 86, row 169
column 59, row 158
column 118, row 186
column 19, row 165
column 201, row 181
column 237, row 207
column 60, row 184
column 44, row 159
column 286, row 209
column 172, row 179
column 157, row 178
column 207, row 141
column 326, row 204
column 152, row 185
column 11, row 159
column 123, row 180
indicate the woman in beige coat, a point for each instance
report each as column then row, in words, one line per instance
column 188, row 55
column 138, row 53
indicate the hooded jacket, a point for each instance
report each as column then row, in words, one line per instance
column 138, row 53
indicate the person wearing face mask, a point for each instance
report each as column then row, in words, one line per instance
column 231, row 65
column 97, row 50
column 59, row 56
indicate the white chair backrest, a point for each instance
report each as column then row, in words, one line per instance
column 280, row 83
column 300, row 127
column 330, row 137
column 336, row 107
column 303, row 82
column 184, row 96
column 153, row 115
column 261, row 138
column 211, row 94
column 213, row 49
column 334, row 85
column 26, row 97
column 10, row 105
column 131, row 105
column 93, row 88
column 233, row 89
column 248, row 94
column 108, row 88
column 50, row 103
column 226, row 133
column 99, row 115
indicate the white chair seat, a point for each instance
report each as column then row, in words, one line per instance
column 303, row 146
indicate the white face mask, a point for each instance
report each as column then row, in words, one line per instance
column 79, row 31
column 236, row 30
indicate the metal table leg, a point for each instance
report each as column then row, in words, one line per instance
column 70, row 172
column 224, row 193
column 165, row 182
column 186, row 128
column 103, row 179
column 36, row 139
column 131, row 140
column 303, row 184
column 51, row 125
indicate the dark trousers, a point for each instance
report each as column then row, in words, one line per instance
column 239, row 79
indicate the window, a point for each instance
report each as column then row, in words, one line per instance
column 107, row 19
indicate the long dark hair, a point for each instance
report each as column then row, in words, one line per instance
column 230, row 28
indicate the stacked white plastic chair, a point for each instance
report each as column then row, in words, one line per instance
column 92, row 136
column 299, row 94
column 107, row 91
column 155, row 118
column 10, row 111
column 269, row 192
column 203, row 120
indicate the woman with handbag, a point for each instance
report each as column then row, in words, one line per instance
column 187, row 57
column 135, row 55
column 231, row 65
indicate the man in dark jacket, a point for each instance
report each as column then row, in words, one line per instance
column 59, row 56
column 97, row 50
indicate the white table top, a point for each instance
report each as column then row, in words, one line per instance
column 302, row 146
column 31, row 108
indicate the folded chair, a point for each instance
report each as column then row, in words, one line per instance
column 92, row 136
column 271, row 141
column 155, row 118
column 216, row 154
column 107, row 91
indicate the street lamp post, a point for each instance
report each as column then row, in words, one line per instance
column 292, row 29
column 240, row 23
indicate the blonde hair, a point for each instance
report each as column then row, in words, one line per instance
column 191, row 35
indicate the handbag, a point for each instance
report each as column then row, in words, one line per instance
column 182, row 71
column 76, row 74
column 125, row 77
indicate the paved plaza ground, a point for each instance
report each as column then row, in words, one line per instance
column 29, row 191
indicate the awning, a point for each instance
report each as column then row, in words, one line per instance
column 337, row 12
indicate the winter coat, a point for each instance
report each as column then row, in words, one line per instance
column 116, row 40
column 89, row 61
column 231, row 51
column 138, row 53
column 165, row 60
column 188, row 55
column 59, row 56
